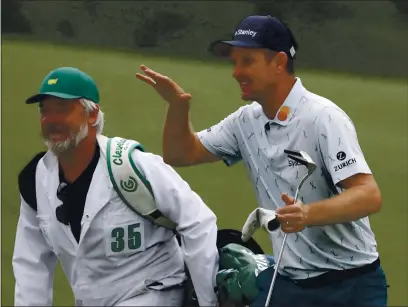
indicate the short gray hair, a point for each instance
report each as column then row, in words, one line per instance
column 90, row 106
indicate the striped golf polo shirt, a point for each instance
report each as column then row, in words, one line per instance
column 316, row 125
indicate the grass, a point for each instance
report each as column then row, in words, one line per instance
column 378, row 108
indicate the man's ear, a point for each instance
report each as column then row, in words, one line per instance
column 281, row 61
column 93, row 115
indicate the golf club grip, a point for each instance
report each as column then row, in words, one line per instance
column 269, row 221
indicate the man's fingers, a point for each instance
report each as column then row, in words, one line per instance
column 288, row 210
column 291, row 226
column 145, row 79
column 287, row 199
column 290, row 218
column 154, row 75
column 290, row 229
column 146, row 69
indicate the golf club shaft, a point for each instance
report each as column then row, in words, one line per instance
column 275, row 273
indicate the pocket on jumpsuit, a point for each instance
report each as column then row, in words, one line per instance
column 44, row 223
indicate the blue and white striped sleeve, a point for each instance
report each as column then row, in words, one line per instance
column 221, row 139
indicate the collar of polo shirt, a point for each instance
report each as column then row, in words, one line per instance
column 288, row 107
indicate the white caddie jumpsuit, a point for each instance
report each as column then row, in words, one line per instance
column 119, row 253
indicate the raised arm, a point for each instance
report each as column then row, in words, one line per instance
column 33, row 262
column 181, row 144
column 196, row 223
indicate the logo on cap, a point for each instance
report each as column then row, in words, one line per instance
column 292, row 51
column 245, row 32
column 52, row 81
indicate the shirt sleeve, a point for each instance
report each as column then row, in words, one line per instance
column 33, row 262
column 339, row 146
column 196, row 223
column 221, row 140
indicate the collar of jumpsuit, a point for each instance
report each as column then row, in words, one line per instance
column 287, row 109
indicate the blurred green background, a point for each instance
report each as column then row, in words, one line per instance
column 351, row 52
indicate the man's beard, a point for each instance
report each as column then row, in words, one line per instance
column 59, row 147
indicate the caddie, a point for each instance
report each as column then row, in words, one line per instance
column 107, row 211
column 331, row 255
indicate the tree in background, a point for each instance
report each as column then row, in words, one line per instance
column 402, row 7
column 12, row 20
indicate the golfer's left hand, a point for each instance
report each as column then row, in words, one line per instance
column 293, row 216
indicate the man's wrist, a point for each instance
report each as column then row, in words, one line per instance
column 306, row 214
column 179, row 103
column 178, row 109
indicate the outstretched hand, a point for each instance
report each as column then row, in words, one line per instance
column 164, row 86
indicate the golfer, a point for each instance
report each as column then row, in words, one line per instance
column 331, row 257
column 70, row 213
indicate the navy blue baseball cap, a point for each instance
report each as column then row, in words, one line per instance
column 259, row 32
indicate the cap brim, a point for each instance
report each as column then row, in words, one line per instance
column 223, row 48
column 40, row 97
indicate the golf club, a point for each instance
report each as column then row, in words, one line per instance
column 304, row 159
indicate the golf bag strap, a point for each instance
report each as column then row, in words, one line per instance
column 131, row 185
column 26, row 181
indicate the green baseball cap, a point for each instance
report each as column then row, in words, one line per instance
column 67, row 83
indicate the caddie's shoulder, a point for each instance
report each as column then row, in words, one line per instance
column 26, row 180
column 145, row 159
column 154, row 169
